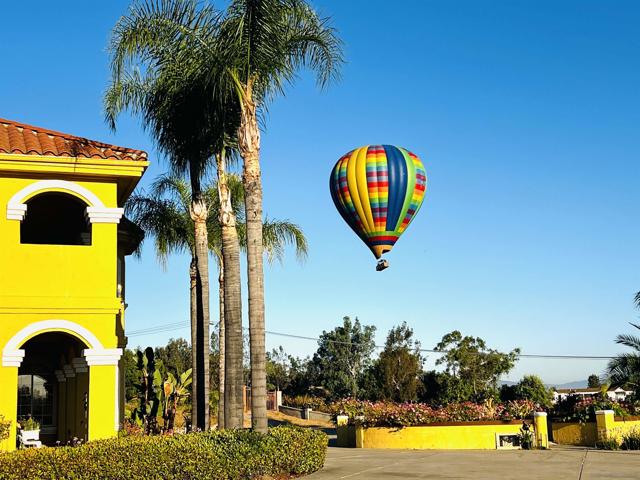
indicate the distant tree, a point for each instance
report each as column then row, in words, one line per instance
column 175, row 356
column 300, row 378
column 593, row 381
column 531, row 388
column 625, row 368
column 473, row 364
column 131, row 374
column 277, row 369
column 343, row 355
column 398, row 368
column 442, row 388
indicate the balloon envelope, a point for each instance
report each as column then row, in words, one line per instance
column 378, row 189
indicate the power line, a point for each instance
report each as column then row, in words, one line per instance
column 179, row 325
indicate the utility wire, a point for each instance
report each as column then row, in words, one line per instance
column 179, row 325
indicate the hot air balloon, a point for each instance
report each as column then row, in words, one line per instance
column 378, row 189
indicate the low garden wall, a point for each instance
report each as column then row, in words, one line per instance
column 478, row 435
column 574, row 433
column 305, row 413
column 464, row 436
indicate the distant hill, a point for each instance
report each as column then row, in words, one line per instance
column 576, row 384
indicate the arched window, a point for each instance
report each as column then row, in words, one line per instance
column 55, row 219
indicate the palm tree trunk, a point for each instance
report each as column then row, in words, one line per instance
column 199, row 212
column 221, row 349
column 249, row 144
column 193, row 281
column 233, row 410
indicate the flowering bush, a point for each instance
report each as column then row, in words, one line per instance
column 578, row 409
column 387, row 414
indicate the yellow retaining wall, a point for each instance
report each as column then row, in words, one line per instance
column 460, row 436
column 610, row 426
column 622, row 425
column 584, row 434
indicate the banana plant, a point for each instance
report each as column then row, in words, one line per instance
column 173, row 391
column 149, row 391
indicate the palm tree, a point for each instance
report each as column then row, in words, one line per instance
column 148, row 39
column 225, row 69
column 264, row 43
column 625, row 368
column 165, row 214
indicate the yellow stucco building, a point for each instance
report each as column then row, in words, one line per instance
column 63, row 240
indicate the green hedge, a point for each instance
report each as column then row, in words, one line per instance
column 226, row 455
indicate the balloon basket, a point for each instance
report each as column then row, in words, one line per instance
column 382, row 265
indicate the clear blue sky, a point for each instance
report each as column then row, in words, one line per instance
column 526, row 115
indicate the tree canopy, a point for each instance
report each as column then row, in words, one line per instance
column 343, row 355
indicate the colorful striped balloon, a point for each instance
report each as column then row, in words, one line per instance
column 378, row 189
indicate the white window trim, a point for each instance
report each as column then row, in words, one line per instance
column 96, row 354
column 96, row 212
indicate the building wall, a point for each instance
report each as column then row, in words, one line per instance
column 71, row 283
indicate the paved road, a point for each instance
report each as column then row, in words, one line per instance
column 556, row 464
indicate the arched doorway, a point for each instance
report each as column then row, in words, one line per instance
column 53, row 387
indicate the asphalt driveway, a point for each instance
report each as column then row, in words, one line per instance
column 558, row 463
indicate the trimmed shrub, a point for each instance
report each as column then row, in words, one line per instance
column 226, row 455
column 5, row 427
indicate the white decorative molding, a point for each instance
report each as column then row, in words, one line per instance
column 65, row 326
column 12, row 358
column 104, row 214
column 60, row 376
column 97, row 212
column 80, row 365
column 102, row 356
column 68, row 370
column 16, row 212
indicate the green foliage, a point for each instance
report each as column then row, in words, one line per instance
column 398, row 370
column 29, row 423
column 624, row 370
column 277, row 368
column 630, row 440
column 593, row 381
column 131, row 376
column 531, row 388
column 224, row 455
column 175, row 355
column 441, row 388
column 174, row 389
column 149, row 388
column 343, row 355
column 526, row 437
column 608, row 443
column 5, row 426
column 479, row 367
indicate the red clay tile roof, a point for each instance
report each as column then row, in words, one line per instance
column 19, row 138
